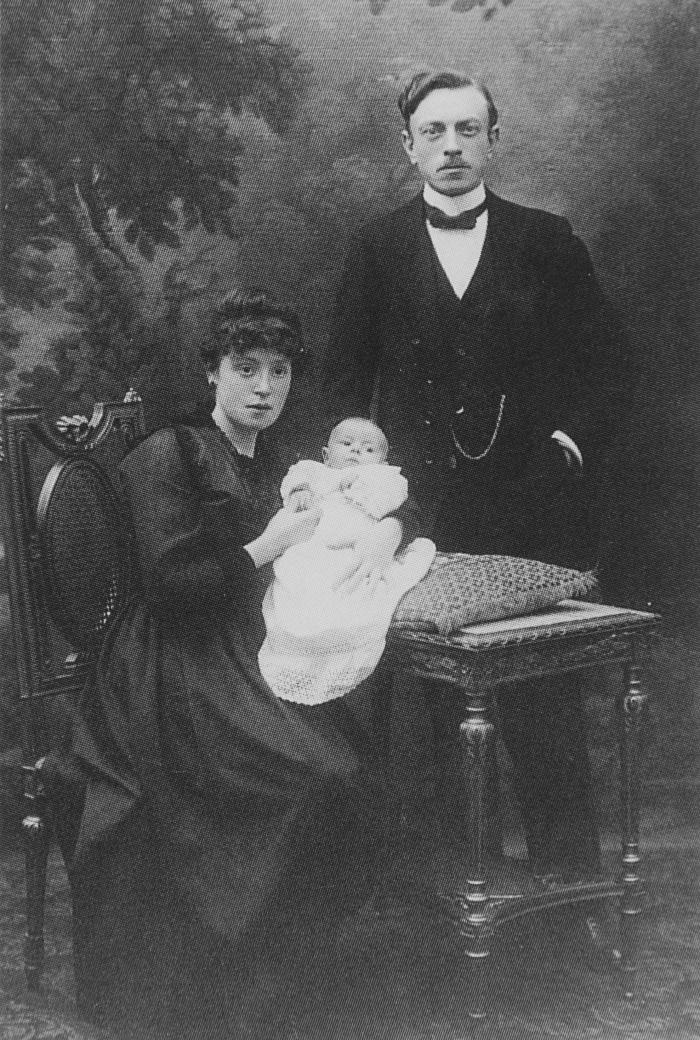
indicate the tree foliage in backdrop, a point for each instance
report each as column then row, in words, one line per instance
column 462, row 6
column 120, row 144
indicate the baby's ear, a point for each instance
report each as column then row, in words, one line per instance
column 324, row 453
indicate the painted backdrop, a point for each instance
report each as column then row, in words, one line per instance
column 597, row 102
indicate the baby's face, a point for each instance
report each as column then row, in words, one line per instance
column 355, row 442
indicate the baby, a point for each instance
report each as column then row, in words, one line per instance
column 325, row 635
column 353, row 442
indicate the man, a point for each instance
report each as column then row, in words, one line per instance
column 474, row 332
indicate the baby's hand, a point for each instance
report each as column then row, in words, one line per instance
column 299, row 500
column 373, row 553
column 340, row 541
column 348, row 478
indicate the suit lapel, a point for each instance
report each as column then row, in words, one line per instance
column 504, row 244
column 515, row 288
column 413, row 283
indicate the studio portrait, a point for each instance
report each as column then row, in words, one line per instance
column 349, row 527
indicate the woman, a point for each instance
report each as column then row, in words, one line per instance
column 220, row 825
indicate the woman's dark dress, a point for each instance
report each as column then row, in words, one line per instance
column 219, row 824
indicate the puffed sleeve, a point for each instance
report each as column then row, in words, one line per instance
column 190, row 551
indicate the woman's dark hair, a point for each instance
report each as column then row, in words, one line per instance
column 424, row 83
column 251, row 319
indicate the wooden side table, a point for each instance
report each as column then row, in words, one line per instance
column 477, row 660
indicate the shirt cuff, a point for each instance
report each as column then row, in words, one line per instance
column 569, row 444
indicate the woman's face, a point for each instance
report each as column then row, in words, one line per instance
column 251, row 388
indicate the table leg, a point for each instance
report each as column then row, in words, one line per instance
column 630, row 704
column 477, row 737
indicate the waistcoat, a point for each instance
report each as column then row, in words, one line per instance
column 476, row 386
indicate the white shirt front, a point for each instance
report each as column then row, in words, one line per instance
column 459, row 252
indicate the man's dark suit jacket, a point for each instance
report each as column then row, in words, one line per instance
column 543, row 335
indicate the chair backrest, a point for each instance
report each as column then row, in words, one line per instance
column 68, row 546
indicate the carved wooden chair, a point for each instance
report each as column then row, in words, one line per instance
column 69, row 570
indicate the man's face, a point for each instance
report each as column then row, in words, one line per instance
column 449, row 139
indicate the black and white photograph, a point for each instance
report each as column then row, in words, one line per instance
column 349, row 520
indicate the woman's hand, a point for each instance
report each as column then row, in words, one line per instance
column 284, row 530
column 290, row 527
column 374, row 552
column 299, row 500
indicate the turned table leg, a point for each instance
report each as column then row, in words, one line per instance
column 477, row 738
column 630, row 704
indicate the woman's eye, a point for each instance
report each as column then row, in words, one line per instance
column 282, row 371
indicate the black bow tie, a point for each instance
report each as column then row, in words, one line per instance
column 463, row 222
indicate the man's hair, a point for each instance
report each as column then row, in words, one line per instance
column 246, row 319
column 424, row 83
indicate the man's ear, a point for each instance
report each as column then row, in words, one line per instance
column 407, row 142
column 494, row 134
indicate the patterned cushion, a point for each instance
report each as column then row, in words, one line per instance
column 464, row 590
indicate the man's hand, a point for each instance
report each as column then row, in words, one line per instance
column 374, row 552
column 551, row 462
column 572, row 452
column 571, row 460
